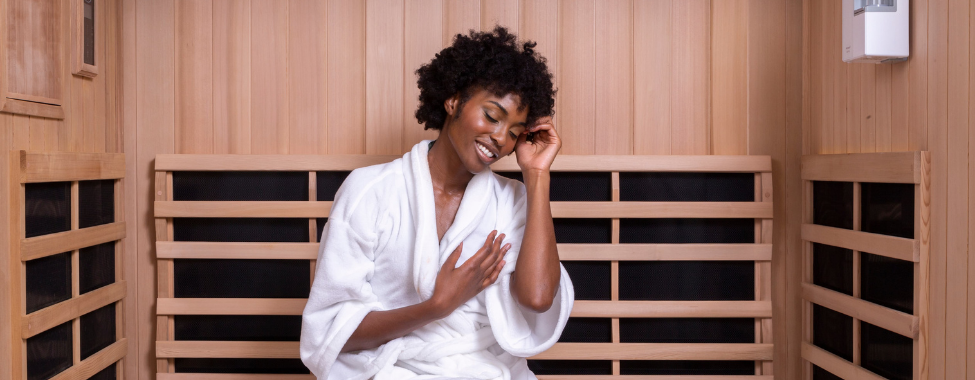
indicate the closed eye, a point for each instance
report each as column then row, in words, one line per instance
column 513, row 136
column 490, row 118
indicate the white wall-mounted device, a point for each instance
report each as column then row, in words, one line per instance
column 876, row 31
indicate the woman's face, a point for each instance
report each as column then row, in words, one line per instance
column 485, row 129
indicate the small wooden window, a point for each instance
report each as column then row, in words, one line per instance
column 84, row 46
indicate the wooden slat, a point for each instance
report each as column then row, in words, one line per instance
column 602, row 163
column 245, row 209
column 889, row 319
column 672, row 309
column 16, row 106
column 835, row 364
column 214, row 349
column 889, row 246
column 666, row 252
column 230, row 376
column 95, row 363
column 892, row 167
column 653, row 377
column 230, row 306
column 658, row 351
column 41, row 246
column 46, row 318
column 219, row 250
column 760, row 210
column 61, row 166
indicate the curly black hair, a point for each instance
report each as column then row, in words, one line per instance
column 492, row 61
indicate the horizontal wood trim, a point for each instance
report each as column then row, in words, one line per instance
column 665, row 252
column 893, row 167
column 230, row 306
column 889, row 246
column 658, row 351
column 61, row 166
column 889, row 319
column 54, row 315
column 672, row 309
column 22, row 107
column 42, row 246
column 95, row 363
column 835, row 364
column 307, row 209
column 230, row 376
column 244, row 209
column 662, row 210
column 654, row 377
column 226, row 349
column 217, row 250
column 597, row 163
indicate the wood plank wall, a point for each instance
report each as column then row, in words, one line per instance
column 635, row 77
column 925, row 103
column 92, row 123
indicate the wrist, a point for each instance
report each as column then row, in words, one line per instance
column 435, row 309
column 535, row 175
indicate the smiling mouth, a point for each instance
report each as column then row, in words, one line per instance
column 485, row 151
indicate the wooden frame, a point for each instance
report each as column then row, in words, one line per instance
column 29, row 167
column 12, row 101
column 78, row 65
column 168, row 349
column 903, row 167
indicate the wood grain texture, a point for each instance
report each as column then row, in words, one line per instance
column 270, row 121
column 614, row 77
column 937, row 131
column 346, row 78
column 194, row 76
column 231, row 76
column 652, row 113
column 423, row 38
column 384, row 76
column 690, row 133
column 306, row 76
column 577, row 65
column 729, row 77
column 460, row 17
column 500, row 12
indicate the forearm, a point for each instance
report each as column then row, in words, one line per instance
column 380, row 327
column 536, row 277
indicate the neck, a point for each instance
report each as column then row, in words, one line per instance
column 446, row 170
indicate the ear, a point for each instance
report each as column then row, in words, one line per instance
column 450, row 105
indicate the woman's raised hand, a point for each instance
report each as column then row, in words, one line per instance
column 455, row 286
column 538, row 154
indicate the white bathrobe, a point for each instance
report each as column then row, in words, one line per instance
column 379, row 251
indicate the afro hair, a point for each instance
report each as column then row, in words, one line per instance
column 492, row 61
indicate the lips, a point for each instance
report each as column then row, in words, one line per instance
column 487, row 151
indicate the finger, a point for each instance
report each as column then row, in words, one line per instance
column 497, row 272
column 496, row 254
column 485, row 250
column 451, row 262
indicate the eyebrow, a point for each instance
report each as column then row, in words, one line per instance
column 499, row 106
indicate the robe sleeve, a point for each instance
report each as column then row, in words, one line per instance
column 341, row 294
column 521, row 331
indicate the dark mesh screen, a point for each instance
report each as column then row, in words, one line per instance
column 833, row 204
column 576, row 186
column 213, row 278
column 583, row 230
column 687, row 280
column 328, row 183
column 833, row 332
column 96, row 202
column 833, row 268
column 274, row 328
column 887, row 208
column 199, row 365
column 96, row 266
column 822, row 374
column 320, row 222
column 571, row 367
column 687, row 187
column 48, row 281
column 590, row 279
column 675, row 231
column 587, row 330
column 49, row 353
column 97, row 330
column 888, row 282
column 885, row 353
column 272, row 230
column 686, row 367
column 687, row 330
column 106, row 374
column 47, row 208
column 240, row 186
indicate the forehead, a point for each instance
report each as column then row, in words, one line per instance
column 511, row 102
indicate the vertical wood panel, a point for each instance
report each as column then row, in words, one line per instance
column 231, row 76
column 899, row 99
column 817, row 73
column 137, row 311
column 614, row 77
column 937, row 107
column 652, row 113
column 729, row 77
column 540, row 23
column 194, row 70
column 918, row 77
column 269, row 77
column 691, row 77
column 43, row 134
column 346, row 79
column 956, row 305
column 306, row 76
column 500, row 12
column 460, row 17
column 882, row 113
column 577, row 78
column 384, row 76
column 854, row 109
column 868, row 108
column 423, row 39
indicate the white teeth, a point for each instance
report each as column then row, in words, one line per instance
column 485, row 150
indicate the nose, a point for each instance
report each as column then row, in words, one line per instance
column 500, row 136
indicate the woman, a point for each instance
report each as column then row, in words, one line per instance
column 431, row 266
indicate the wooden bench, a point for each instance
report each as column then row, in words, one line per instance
column 758, row 209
